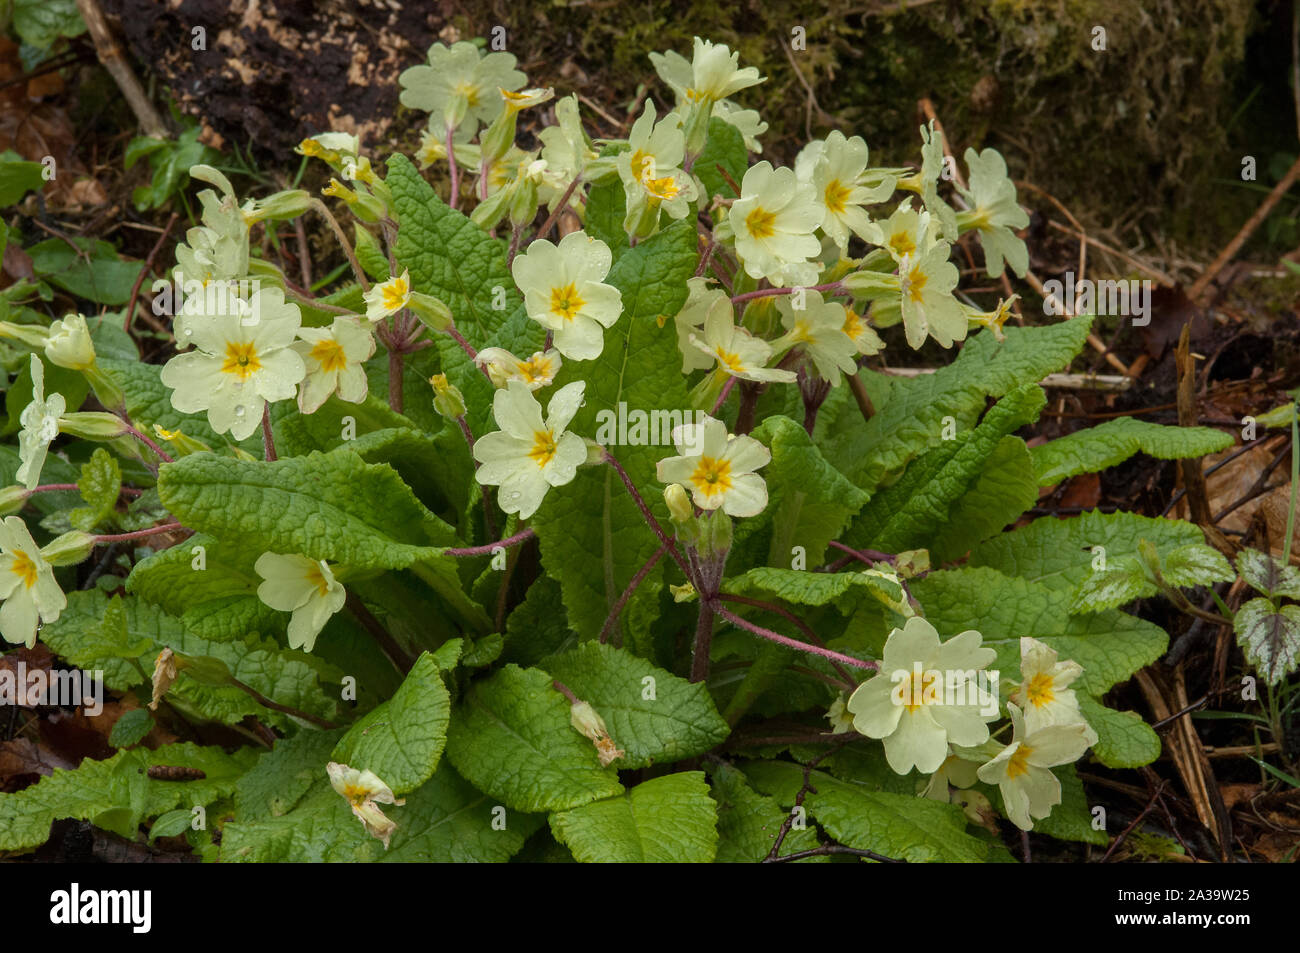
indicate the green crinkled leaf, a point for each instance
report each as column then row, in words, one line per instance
column 100, row 484
column 809, row 501
column 1059, row 552
column 679, row 721
column 402, row 740
column 438, row 467
column 816, row 588
column 1266, row 574
column 283, row 776
column 914, row 829
column 330, row 506
column 1002, row 491
column 1111, row 443
column 171, row 580
column 671, row 819
column 910, row 416
column 444, row 821
column 606, row 209
column 510, row 736
column 1128, row 578
column 1110, row 646
column 1270, row 637
column 907, row 514
column 118, row 793
column 593, row 537
column 749, row 822
column 130, row 728
column 1195, row 564
column 1124, row 740
column 725, row 147
column 453, row 259
column 40, row 23
column 91, row 635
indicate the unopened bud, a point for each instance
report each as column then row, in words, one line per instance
column 30, row 334
column 69, row 549
column 182, row 445
column 12, row 499
column 431, row 311
column 679, row 503
column 447, row 398
column 92, row 425
column 69, row 344
column 278, row 207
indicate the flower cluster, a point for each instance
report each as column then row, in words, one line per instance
column 931, row 705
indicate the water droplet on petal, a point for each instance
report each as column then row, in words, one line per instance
column 189, row 332
column 514, row 496
column 239, row 411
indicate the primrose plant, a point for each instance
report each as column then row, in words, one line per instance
column 580, row 521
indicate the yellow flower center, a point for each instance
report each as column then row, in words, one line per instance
column 536, row 369
column 837, row 196
column 1039, row 690
column 912, row 690
column 329, row 354
column 802, row 333
column 712, row 477
column 355, row 793
column 902, row 244
column 317, row 579
column 852, row 323
column 660, row 189
column 640, row 160
column 761, row 223
column 24, row 568
column 469, row 91
column 241, row 359
column 1018, row 763
column 566, row 302
column 732, row 361
column 916, row 280
column 543, row 448
column 395, row 293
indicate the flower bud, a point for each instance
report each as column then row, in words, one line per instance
column 683, row 593
column 182, row 445
column 431, row 311
column 447, row 398
column 12, row 499
column 69, row 344
column 32, row 335
column 278, row 207
column 92, row 425
column 69, row 549
column 679, row 503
